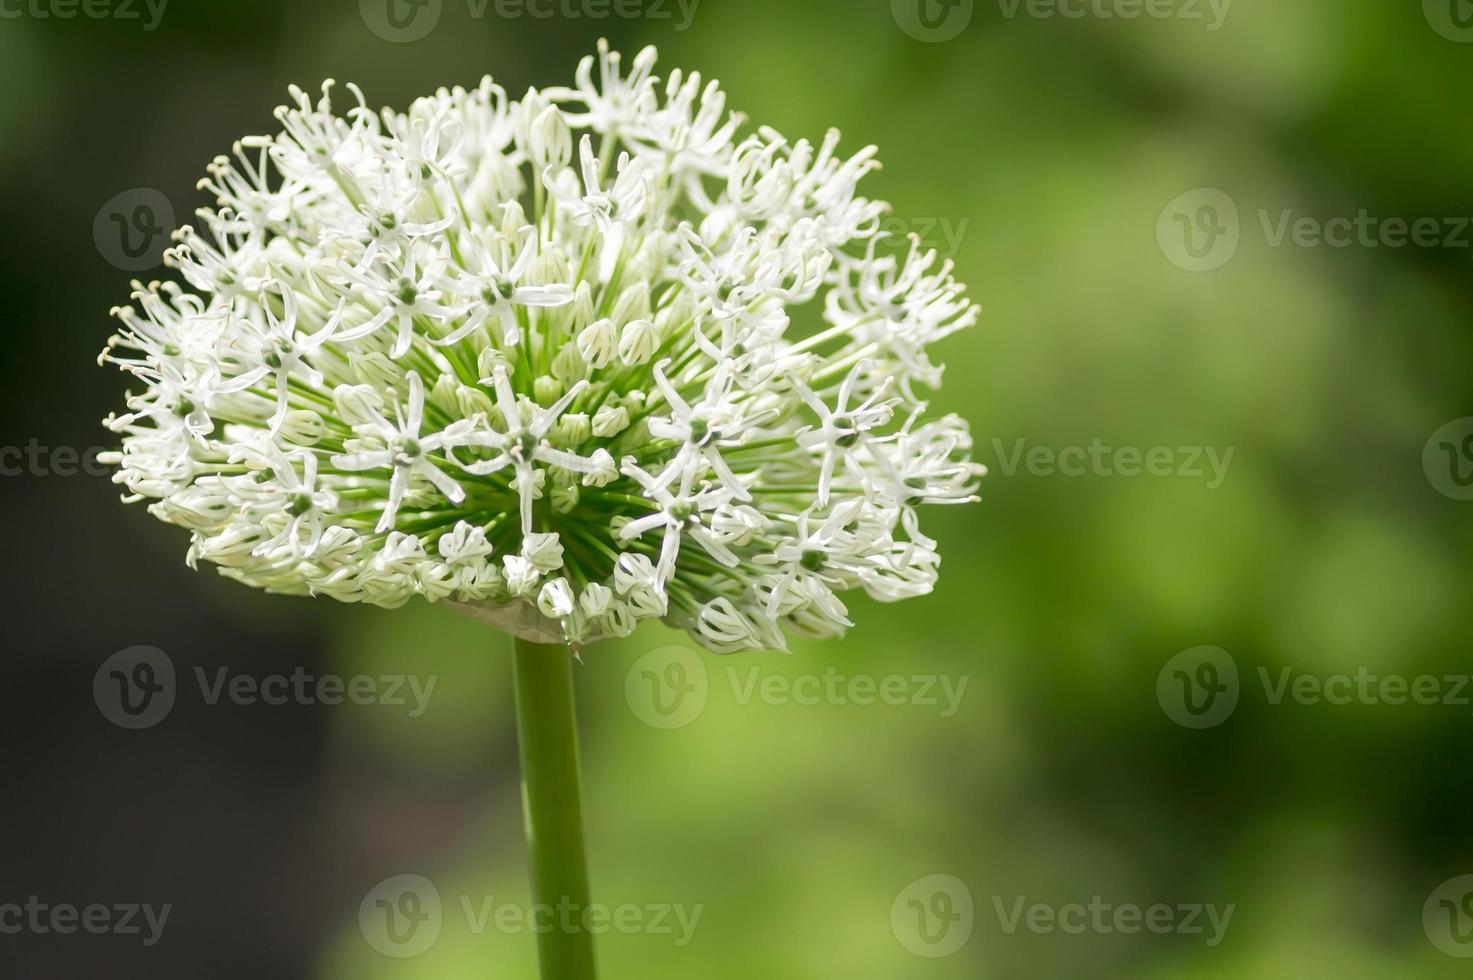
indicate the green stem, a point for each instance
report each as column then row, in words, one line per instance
column 548, row 736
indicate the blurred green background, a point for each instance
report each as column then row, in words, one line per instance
column 1049, row 156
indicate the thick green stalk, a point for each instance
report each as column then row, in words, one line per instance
column 548, row 736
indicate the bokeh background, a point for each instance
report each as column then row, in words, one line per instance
column 1062, row 162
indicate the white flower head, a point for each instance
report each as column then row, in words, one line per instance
column 537, row 358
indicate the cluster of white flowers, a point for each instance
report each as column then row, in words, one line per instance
column 535, row 358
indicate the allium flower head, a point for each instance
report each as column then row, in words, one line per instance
column 535, row 358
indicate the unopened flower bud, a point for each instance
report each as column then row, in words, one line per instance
column 303, row 427
column 358, row 404
column 574, row 429
column 610, row 420
column 520, row 574
column 544, row 551
column 598, row 342
column 556, row 599
column 549, row 140
column 547, row 389
column 638, row 342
